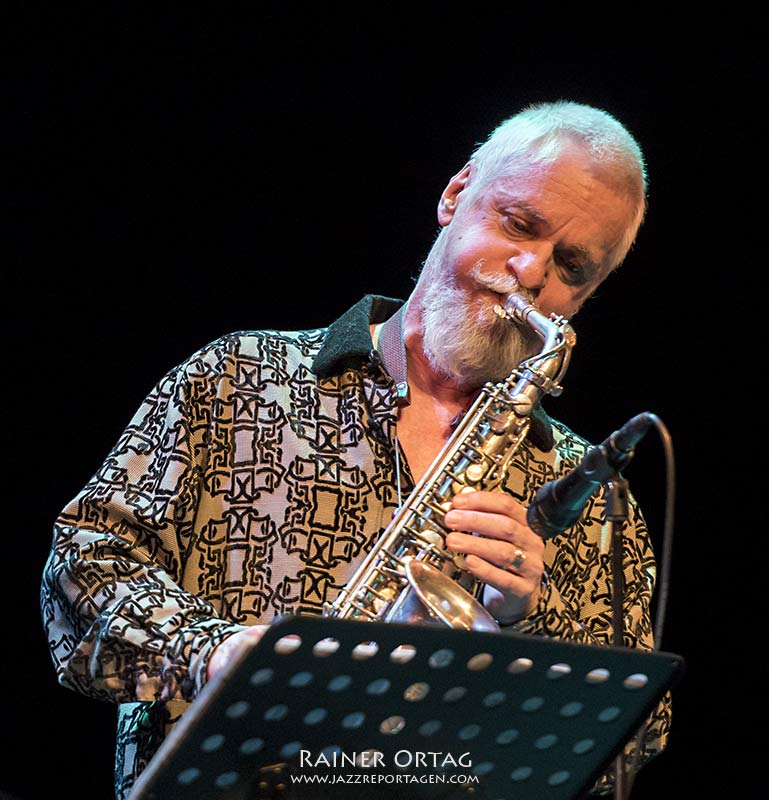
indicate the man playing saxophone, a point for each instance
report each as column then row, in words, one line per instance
column 258, row 474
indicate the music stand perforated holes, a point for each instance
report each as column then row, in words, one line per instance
column 238, row 709
column 583, row 746
column 468, row 732
column 442, row 658
column 379, row 686
column 301, row 679
column 494, row 699
column 609, row 714
column 262, row 677
column 276, row 713
column 364, row 650
column 353, row 720
column 392, row 725
column 430, row 728
column 188, row 776
column 519, row 665
column 212, row 743
column 635, row 681
column 339, row 683
column 559, row 777
column 288, row 644
column 416, row 691
column 455, row 694
column 480, row 661
column 597, row 676
column 556, row 671
column 325, row 647
column 403, row 653
column 546, row 742
column 532, row 704
column 226, row 780
column 249, row 747
column 315, row 716
column 507, row 736
column 571, row 709
column 290, row 749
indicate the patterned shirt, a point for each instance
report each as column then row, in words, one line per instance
column 250, row 483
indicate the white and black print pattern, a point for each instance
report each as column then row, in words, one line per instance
column 247, row 486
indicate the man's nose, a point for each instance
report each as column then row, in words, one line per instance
column 531, row 265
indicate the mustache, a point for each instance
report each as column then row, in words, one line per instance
column 501, row 284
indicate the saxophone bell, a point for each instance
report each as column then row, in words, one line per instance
column 446, row 600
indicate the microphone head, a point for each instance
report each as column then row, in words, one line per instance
column 628, row 436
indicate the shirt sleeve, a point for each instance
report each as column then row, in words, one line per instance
column 119, row 624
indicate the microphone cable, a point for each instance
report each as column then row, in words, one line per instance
column 664, row 560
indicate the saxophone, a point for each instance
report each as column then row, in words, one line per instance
column 410, row 575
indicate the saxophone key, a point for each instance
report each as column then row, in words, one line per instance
column 431, row 538
column 459, row 561
column 386, row 594
column 474, row 473
column 461, row 488
column 367, row 612
column 438, row 509
column 522, row 404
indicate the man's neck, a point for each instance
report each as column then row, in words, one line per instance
column 437, row 401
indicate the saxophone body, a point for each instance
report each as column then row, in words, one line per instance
column 410, row 575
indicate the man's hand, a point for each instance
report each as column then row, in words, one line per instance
column 506, row 554
column 226, row 650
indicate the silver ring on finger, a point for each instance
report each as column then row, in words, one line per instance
column 517, row 561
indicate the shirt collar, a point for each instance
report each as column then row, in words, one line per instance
column 348, row 340
column 348, row 345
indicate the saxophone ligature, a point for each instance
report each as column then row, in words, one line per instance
column 410, row 575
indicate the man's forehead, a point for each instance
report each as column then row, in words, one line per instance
column 531, row 180
column 527, row 191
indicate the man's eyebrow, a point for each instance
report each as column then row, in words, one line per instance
column 527, row 209
column 580, row 253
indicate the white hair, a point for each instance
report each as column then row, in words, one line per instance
column 540, row 132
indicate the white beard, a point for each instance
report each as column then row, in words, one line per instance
column 463, row 337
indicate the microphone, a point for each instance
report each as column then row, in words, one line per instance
column 559, row 504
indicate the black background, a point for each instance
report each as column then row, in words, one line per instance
column 177, row 174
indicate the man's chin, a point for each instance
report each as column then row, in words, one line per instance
column 500, row 329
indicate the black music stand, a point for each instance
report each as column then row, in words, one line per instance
column 510, row 717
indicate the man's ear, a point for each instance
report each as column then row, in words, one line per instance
column 450, row 197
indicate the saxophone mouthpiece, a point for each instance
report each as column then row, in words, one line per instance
column 517, row 307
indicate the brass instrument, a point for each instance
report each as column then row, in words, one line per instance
column 410, row 575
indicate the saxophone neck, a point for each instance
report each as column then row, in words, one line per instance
column 543, row 371
column 551, row 329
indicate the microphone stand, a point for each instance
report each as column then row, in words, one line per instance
column 617, row 514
